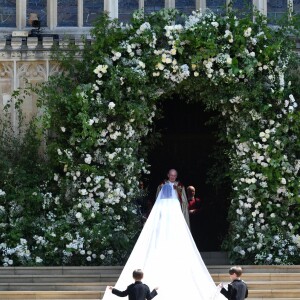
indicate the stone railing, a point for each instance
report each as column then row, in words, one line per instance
column 35, row 48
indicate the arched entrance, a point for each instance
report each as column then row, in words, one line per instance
column 187, row 144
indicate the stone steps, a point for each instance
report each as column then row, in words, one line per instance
column 78, row 283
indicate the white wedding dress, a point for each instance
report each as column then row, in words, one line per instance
column 168, row 256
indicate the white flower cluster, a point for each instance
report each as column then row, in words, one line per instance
column 100, row 70
column 193, row 20
column 21, row 251
column 169, row 67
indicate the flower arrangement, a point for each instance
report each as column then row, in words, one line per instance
column 98, row 115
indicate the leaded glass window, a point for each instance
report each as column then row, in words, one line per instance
column 7, row 13
column 242, row 6
column 276, row 10
column 153, row 5
column 296, row 6
column 217, row 6
column 126, row 8
column 38, row 7
column 91, row 10
column 67, row 11
column 186, row 6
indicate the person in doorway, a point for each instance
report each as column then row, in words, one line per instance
column 237, row 289
column 194, row 206
column 194, row 203
column 180, row 192
column 136, row 290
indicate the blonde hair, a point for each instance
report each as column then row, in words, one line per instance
column 236, row 270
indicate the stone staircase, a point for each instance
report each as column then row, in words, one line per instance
column 37, row 283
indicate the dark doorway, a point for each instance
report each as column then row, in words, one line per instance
column 186, row 145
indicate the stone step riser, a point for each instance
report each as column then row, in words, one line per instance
column 260, row 298
column 114, row 277
column 86, row 286
column 108, row 271
column 53, row 288
column 259, row 277
column 46, row 279
column 274, row 293
column 59, row 272
column 50, row 295
column 31, row 295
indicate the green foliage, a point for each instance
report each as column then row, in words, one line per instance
column 96, row 126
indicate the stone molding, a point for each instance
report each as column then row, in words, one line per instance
column 33, row 48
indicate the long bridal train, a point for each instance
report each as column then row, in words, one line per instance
column 166, row 252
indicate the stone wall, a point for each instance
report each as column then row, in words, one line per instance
column 26, row 61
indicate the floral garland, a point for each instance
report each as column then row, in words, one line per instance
column 101, row 129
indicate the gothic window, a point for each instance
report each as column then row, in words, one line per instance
column 153, row 5
column 67, row 11
column 91, row 10
column 276, row 9
column 217, row 6
column 7, row 13
column 126, row 8
column 185, row 6
column 38, row 7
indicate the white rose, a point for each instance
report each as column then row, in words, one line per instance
column 168, row 60
column 78, row 215
column 88, row 159
column 111, row 105
column 283, row 181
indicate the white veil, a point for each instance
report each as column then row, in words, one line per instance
column 166, row 252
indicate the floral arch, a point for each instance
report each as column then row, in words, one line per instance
column 103, row 114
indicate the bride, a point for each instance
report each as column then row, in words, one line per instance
column 166, row 252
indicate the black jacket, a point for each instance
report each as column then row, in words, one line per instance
column 237, row 290
column 136, row 291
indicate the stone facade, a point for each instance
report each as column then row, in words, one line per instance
column 23, row 62
column 28, row 59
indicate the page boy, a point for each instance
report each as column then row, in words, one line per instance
column 137, row 290
column 237, row 289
